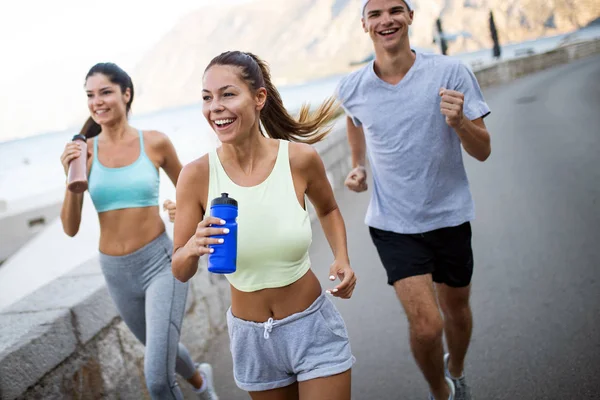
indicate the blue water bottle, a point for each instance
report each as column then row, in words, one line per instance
column 223, row 259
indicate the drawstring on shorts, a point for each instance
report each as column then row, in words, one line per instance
column 268, row 328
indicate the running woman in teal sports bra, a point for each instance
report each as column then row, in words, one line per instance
column 135, row 251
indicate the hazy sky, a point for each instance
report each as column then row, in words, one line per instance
column 48, row 45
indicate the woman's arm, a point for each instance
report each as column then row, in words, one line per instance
column 169, row 162
column 191, row 233
column 70, row 213
column 168, row 156
column 320, row 194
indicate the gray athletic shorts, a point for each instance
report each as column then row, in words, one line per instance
column 307, row 345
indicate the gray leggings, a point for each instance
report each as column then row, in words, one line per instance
column 152, row 303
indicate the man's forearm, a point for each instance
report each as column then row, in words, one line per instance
column 358, row 145
column 475, row 139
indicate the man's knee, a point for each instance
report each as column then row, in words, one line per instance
column 458, row 314
column 457, row 310
column 427, row 328
column 454, row 302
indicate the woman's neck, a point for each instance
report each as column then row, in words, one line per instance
column 246, row 153
column 116, row 132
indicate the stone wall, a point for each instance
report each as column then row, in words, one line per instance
column 507, row 71
column 66, row 341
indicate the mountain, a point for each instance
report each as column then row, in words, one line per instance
column 307, row 39
column 301, row 39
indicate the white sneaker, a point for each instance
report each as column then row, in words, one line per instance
column 463, row 391
column 452, row 390
column 207, row 375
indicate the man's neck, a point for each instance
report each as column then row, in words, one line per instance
column 393, row 66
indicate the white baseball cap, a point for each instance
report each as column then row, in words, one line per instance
column 364, row 4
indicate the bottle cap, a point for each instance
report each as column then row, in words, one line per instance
column 224, row 200
column 79, row 136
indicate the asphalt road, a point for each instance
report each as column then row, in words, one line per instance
column 536, row 287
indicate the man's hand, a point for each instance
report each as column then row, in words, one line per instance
column 357, row 179
column 169, row 206
column 452, row 107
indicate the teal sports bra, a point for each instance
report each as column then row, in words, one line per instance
column 132, row 186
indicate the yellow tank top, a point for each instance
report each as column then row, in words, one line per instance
column 274, row 231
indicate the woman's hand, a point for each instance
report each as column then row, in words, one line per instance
column 170, row 207
column 71, row 152
column 344, row 272
column 198, row 244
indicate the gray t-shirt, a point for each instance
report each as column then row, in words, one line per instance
column 420, row 183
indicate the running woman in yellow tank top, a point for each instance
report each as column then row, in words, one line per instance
column 288, row 341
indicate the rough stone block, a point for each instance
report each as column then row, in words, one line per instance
column 132, row 350
column 32, row 344
column 191, row 297
column 196, row 328
column 223, row 301
column 110, row 357
column 85, row 382
column 133, row 383
column 87, row 296
column 216, row 314
column 93, row 313
column 204, row 284
column 78, row 377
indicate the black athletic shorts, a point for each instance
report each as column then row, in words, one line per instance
column 444, row 253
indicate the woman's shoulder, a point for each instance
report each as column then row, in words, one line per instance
column 193, row 180
column 197, row 170
column 303, row 156
column 156, row 139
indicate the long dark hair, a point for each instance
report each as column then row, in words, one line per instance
column 117, row 76
column 278, row 123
